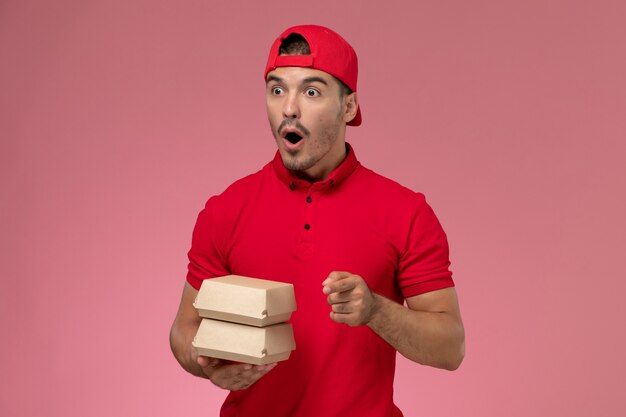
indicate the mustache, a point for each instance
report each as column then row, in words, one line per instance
column 293, row 123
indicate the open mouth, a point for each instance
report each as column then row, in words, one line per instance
column 293, row 137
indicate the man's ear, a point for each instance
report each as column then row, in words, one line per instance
column 351, row 106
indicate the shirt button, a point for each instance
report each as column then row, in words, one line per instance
column 307, row 226
column 309, row 199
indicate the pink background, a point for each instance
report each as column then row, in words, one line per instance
column 118, row 119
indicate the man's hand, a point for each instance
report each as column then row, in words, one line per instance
column 232, row 376
column 224, row 374
column 350, row 298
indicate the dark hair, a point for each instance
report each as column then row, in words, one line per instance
column 295, row 44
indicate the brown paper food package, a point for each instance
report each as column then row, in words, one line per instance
column 243, row 343
column 244, row 300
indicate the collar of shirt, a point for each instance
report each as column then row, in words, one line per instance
column 343, row 171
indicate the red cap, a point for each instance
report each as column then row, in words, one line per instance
column 329, row 53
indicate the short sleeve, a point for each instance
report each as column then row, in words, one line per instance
column 424, row 265
column 206, row 258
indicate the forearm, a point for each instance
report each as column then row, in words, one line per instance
column 430, row 338
column 181, row 336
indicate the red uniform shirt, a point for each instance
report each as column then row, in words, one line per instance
column 271, row 225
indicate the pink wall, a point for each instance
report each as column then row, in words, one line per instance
column 119, row 118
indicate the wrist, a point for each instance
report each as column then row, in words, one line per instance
column 375, row 309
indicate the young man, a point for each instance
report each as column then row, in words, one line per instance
column 355, row 245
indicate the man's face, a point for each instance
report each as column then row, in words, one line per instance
column 308, row 117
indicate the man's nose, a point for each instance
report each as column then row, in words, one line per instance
column 291, row 108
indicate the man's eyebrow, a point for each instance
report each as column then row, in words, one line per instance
column 309, row 80
column 273, row 78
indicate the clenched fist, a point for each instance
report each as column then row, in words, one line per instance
column 351, row 300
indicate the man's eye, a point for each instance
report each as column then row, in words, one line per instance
column 277, row 91
column 311, row 92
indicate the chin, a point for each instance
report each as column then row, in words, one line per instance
column 295, row 164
